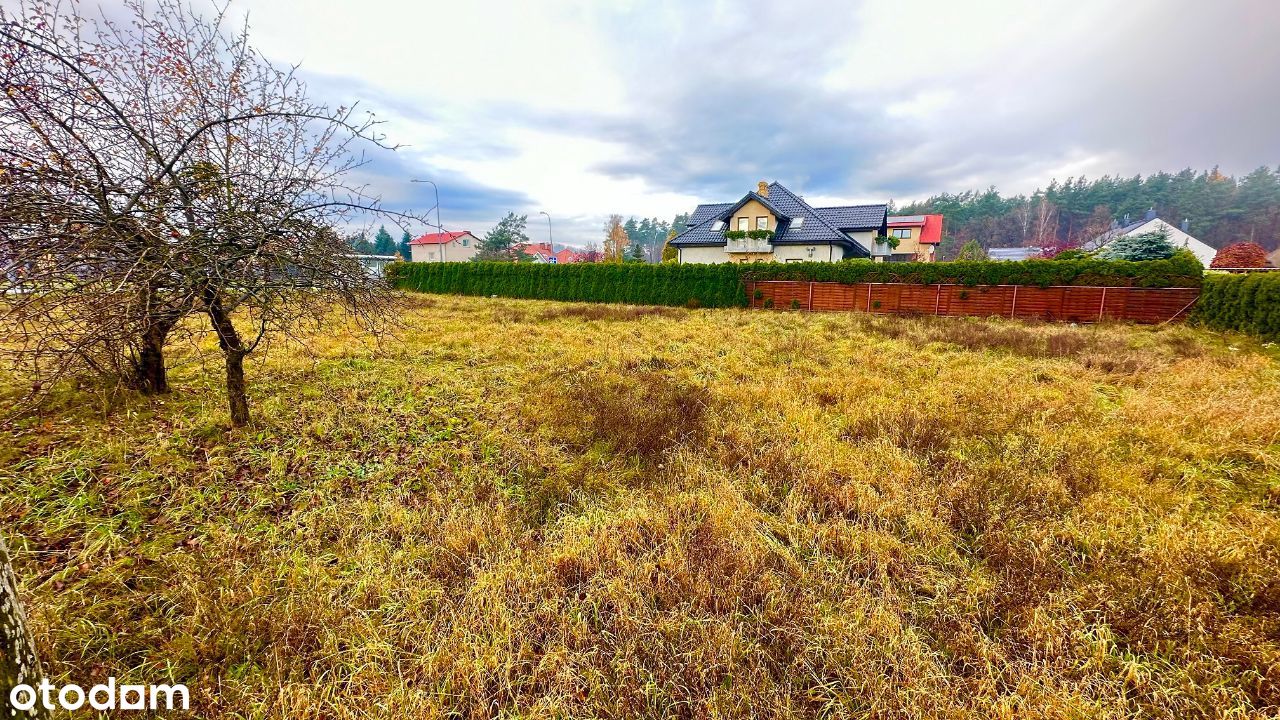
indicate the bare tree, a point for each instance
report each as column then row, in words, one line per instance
column 161, row 167
column 1046, row 222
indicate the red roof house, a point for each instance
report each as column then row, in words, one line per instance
column 566, row 256
column 917, row 235
column 456, row 246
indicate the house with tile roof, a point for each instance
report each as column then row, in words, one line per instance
column 917, row 235
column 540, row 252
column 568, row 256
column 794, row 231
column 444, row 247
column 1178, row 237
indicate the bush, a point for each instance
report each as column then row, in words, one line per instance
column 724, row 285
column 1181, row 270
column 639, row 284
column 1147, row 246
column 1245, row 303
column 1240, row 255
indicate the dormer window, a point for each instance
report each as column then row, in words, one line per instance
column 762, row 222
column 742, row 224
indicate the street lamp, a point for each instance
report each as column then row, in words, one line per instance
column 550, row 242
column 439, row 224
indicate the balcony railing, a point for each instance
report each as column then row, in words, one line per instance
column 747, row 245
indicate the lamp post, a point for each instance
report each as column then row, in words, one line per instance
column 550, row 242
column 439, row 224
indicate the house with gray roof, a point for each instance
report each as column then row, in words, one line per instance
column 1178, row 236
column 783, row 228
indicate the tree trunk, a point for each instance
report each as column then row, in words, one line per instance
column 237, row 395
column 233, row 350
column 18, row 663
column 152, row 377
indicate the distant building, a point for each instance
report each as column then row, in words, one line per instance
column 1273, row 258
column 1179, row 237
column 918, row 237
column 540, row 252
column 374, row 264
column 797, row 232
column 1014, row 253
column 568, row 256
column 444, row 247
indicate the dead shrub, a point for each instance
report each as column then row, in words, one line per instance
column 642, row 412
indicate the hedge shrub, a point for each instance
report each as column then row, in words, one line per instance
column 1247, row 303
column 634, row 283
column 1181, row 270
column 724, row 285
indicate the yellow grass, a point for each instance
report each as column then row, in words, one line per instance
column 552, row 510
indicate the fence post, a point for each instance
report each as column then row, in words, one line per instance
column 1013, row 311
column 869, row 297
column 810, row 308
column 937, row 300
column 1102, row 305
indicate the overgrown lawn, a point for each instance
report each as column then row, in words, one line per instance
column 524, row 508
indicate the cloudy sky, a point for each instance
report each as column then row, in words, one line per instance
column 582, row 109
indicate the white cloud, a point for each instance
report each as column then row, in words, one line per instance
column 583, row 109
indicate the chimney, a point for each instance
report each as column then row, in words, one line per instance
column 1186, row 225
column 1151, row 213
column 762, row 189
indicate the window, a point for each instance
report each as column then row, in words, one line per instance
column 762, row 223
column 791, row 260
column 719, row 225
column 742, row 224
column 904, row 233
column 464, row 242
column 796, row 223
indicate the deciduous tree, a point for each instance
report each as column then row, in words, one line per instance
column 1240, row 255
column 615, row 240
column 174, row 171
column 18, row 662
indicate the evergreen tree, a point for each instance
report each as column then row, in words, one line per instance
column 403, row 248
column 382, row 242
column 501, row 243
column 360, row 244
column 1220, row 209
column 1147, row 246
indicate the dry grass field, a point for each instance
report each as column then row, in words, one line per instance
column 536, row 509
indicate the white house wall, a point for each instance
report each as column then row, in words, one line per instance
column 703, row 255
column 781, row 253
column 454, row 251
column 1177, row 238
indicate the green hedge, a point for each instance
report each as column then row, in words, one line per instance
column 1181, row 270
column 634, row 283
column 1247, row 302
column 723, row 285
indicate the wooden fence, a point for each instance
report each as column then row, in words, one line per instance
column 1060, row 303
